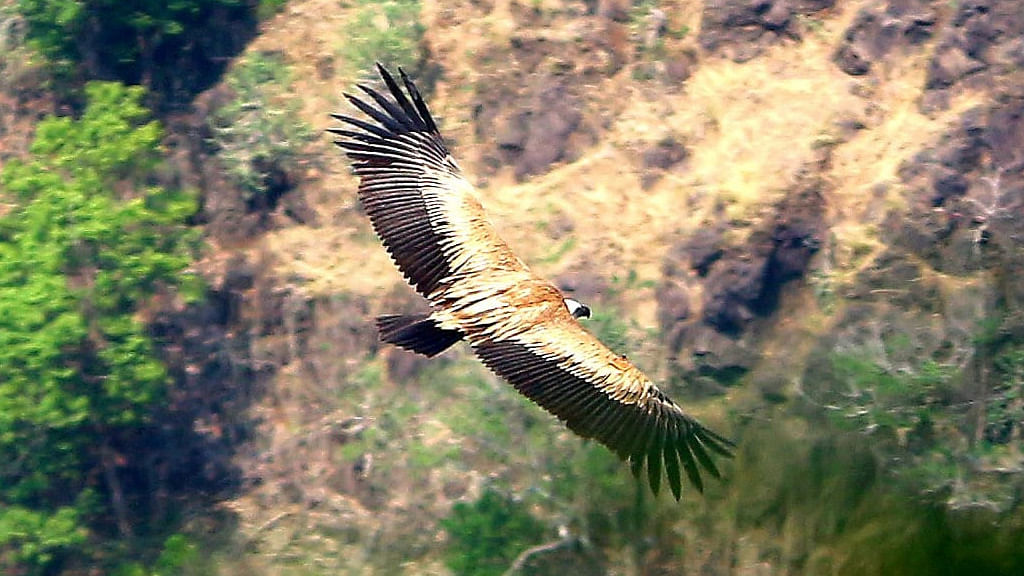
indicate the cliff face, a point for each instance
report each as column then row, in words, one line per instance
column 804, row 217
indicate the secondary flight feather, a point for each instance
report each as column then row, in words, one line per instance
column 519, row 324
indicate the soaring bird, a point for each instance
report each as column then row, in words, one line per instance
column 519, row 324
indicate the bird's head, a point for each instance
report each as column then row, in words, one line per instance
column 577, row 309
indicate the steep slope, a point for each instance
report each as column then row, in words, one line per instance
column 765, row 206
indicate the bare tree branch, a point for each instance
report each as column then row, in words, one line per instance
column 537, row 550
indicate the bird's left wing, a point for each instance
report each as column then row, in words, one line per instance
column 422, row 208
column 601, row 395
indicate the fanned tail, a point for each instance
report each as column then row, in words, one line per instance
column 416, row 332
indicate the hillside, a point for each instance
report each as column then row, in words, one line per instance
column 802, row 217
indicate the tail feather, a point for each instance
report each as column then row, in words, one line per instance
column 416, row 332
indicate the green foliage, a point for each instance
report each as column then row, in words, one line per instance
column 267, row 8
column 178, row 555
column 823, row 284
column 79, row 257
column 1005, row 401
column 875, row 396
column 259, row 132
column 117, row 35
column 487, row 535
column 385, row 31
column 598, row 496
column 52, row 26
column 35, row 537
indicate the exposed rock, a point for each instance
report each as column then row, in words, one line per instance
column 615, row 10
column 734, row 290
column 659, row 158
column 895, row 278
column 747, row 281
column 656, row 24
column 717, row 361
column 741, row 29
column 739, row 285
column 544, row 129
column 981, row 44
column 583, row 284
column 704, row 248
column 950, row 65
column 675, row 308
column 679, row 66
column 325, row 67
column 612, row 33
column 206, row 347
column 878, row 31
column 533, row 110
column 967, row 191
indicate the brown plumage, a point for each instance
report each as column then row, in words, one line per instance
column 519, row 324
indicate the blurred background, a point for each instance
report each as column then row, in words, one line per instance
column 804, row 218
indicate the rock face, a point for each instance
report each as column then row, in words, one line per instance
column 969, row 192
column 980, row 45
column 741, row 29
column 880, row 30
column 207, row 348
column 659, row 158
column 533, row 110
column 538, row 135
column 983, row 39
column 740, row 284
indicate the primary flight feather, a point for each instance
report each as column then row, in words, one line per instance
column 522, row 328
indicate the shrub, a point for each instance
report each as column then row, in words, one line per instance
column 487, row 535
column 258, row 135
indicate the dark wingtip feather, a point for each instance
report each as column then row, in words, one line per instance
column 718, row 444
column 692, row 472
column 697, row 449
column 401, row 114
column 636, row 465
column 672, row 470
column 654, row 456
column 417, row 100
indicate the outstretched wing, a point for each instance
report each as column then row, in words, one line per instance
column 601, row 395
column 420, row 205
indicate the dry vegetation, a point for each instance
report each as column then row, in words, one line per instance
column 751, row 129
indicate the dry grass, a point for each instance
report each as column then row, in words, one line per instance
column 750, row 128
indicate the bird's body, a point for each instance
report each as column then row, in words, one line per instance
column 519, row 324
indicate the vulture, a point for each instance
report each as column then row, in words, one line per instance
column 519, row 324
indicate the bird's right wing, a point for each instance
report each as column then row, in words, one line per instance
column 422, row 208
column 601, row 395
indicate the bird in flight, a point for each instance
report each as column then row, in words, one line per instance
column 520, row 325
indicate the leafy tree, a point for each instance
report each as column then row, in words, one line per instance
column 84, row 244
column 162, row 45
